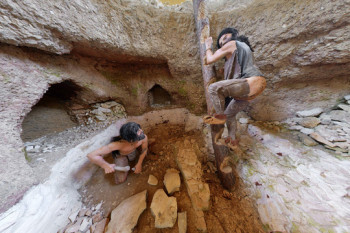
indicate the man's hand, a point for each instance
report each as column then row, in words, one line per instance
column 138, row 168
column 109, row 168
column 208, row 43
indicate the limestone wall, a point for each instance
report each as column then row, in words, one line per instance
column 301, row 46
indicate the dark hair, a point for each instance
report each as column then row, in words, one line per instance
column 235, row 36
column 129, row 130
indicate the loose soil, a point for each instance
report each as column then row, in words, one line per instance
column 229, row 212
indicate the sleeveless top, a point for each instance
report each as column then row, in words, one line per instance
column 241, row 63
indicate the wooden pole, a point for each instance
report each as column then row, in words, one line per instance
column 225, row 170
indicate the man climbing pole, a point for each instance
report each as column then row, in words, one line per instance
column 221, row 151
column 243, row 82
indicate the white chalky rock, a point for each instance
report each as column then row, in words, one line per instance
column 243, row 120
column 124, row 218
column 310, row 113
column 347, row 97
column 164, row 209
column 172, row 180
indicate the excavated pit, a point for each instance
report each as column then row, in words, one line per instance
column 227, row 213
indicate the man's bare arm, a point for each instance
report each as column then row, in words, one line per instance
column 96, row 156
column 144, row 146
column 225, row 50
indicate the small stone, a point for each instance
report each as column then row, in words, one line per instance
column 82, row 212
column 318, row 138
column 347, row 97
column 243, row 120
column 88, row 213
column 172, row 180
column 308, row 141
column 182, row 222
column 310, row 122
column 307, row 131
column 310, row 113
column 98, row 206
column 152, row 180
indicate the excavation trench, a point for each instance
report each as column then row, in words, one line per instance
column 73, row 183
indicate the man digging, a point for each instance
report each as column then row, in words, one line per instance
column 123, row 149
column 243, row 82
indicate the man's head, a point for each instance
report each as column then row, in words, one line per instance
column 131, row 132
column 226, row 35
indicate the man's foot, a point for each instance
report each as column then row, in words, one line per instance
column 218, row 135
column 217, row 119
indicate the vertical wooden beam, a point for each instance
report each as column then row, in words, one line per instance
column 223, row 164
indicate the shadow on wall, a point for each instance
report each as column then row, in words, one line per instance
column 158, row 97
column 51, row 113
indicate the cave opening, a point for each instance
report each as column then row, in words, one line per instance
column 158, row 97
column 51, row 114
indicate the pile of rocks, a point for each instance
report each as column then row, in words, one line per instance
column 86, row 221
column 107, row 111
column 163, row 207
column 99, row 112
column 331, row 129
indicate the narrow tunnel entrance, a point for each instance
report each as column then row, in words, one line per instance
column 158, row 96
column 51, row 114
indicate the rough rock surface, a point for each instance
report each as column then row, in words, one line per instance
column 303, row 53
column 124, row 218
column 296, row 188
column 164, row 209
column 172, row 180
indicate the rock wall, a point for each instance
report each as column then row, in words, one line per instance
column 302, row 48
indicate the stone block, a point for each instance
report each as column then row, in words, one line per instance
column 164, row 209
column 124, row 218
column 172, row 181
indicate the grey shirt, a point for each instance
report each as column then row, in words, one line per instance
column 241, row 63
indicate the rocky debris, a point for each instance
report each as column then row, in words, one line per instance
column 85, row 220
column 172, row 181
column 310, row 113
column 107, row 111
column 99, row 227
column 152, row 180
column 302, row 186
column 124, row 218
column 164, row 209
column 182, row 222
column 344, row 107
column 332, row 129
column 308, row 141
column 310, row 122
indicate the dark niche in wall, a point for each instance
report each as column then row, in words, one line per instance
column 158, row 97
column 51, row 113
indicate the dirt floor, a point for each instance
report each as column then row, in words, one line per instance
column 229, row 212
